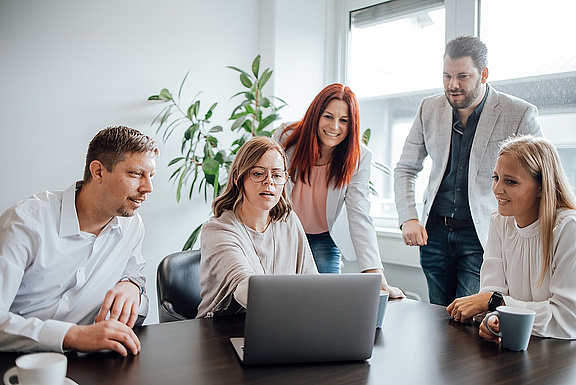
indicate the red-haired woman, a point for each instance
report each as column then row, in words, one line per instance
column 329, row 169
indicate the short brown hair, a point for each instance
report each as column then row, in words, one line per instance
column 111, row 145
column 233, row 196
column 463, row 46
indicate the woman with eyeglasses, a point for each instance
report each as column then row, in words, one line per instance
column 253, row 230
column 330, row 170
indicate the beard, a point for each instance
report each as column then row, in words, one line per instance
column 469, row 96
column 123, row 212
column 127, row 211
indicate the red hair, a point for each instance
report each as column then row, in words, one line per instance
column 305, row 139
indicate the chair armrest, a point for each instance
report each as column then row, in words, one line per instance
column 170, row 313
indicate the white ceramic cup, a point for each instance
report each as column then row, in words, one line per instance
column 515, row 326
column 39, row 369
column 382, row 308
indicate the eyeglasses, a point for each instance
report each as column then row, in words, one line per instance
column 260, row 174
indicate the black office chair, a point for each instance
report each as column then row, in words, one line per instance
column 178, row 286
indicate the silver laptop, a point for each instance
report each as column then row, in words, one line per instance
column 309, row 318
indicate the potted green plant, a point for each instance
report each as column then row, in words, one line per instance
column 203, row 161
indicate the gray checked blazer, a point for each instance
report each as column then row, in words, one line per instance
column 503, row 115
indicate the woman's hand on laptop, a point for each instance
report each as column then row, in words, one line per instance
column 394, row 291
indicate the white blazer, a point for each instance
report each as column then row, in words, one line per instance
column 352, row 229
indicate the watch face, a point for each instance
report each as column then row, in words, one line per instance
column 495, row 300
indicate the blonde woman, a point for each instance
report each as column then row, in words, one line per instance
column 253, row 230
column 530, row 258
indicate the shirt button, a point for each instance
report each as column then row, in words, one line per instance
column 458, row 189
column 66, row 298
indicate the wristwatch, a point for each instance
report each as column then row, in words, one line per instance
column 495, row 300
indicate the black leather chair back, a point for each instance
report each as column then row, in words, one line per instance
column 178, row 286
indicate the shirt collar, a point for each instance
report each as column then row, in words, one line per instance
column 69, row 217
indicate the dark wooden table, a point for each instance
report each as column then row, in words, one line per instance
column 418, row 344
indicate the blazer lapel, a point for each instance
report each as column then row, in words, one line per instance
column 444, row 132
column 484, row 130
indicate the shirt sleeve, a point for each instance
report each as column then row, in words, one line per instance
column 492, row 276
column 241, row 293
column 410, row 164
column 135, row 270
column 362, row 231
column 18, row 241
column 556, row 316
column 529, row 124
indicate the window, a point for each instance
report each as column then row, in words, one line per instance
column 531, row 56
column 394, row 60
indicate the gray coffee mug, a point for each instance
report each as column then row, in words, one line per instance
column 515, row 326
column 383, row 303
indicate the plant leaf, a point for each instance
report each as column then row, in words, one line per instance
column 239, row 70
column 382, row 167
column 192, row 238
column 238, row 123
column 216, row 129
column 176, row 160
column 256, row 66
column 212, row 140
column 366, row 136
column 182, row 85
column 165, row 94
column 154, row 97
column 266, row 122
column 245, row 80
column 264, row 78
column 209, row 112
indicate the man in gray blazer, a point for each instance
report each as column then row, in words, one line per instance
column 460, row 130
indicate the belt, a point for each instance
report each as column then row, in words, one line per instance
column 452, row 222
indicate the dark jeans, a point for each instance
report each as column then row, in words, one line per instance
column 451, row 262
column 326, row 253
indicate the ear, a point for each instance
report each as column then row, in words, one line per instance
column 484, row 75
column 96, row 169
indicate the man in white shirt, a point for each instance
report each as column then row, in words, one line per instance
column 71, row 268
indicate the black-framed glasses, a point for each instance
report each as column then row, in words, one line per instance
column 260, row 174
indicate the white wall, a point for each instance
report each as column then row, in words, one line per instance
column 298, row 54
column 69, row 68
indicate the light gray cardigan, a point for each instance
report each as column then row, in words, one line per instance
column 229, row 256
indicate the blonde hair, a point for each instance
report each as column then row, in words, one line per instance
column 233, row 196
column 540, row 159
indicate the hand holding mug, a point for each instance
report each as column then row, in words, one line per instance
column 513, row 326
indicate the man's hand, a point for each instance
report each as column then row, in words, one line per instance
column 392, row 290
column 122, row 301
column 465, row 308
column 414, row 234
column 109, row 334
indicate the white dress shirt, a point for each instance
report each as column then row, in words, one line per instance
column 52, row 275
column 513, row 263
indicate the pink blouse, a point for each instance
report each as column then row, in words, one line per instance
column 310, row 200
